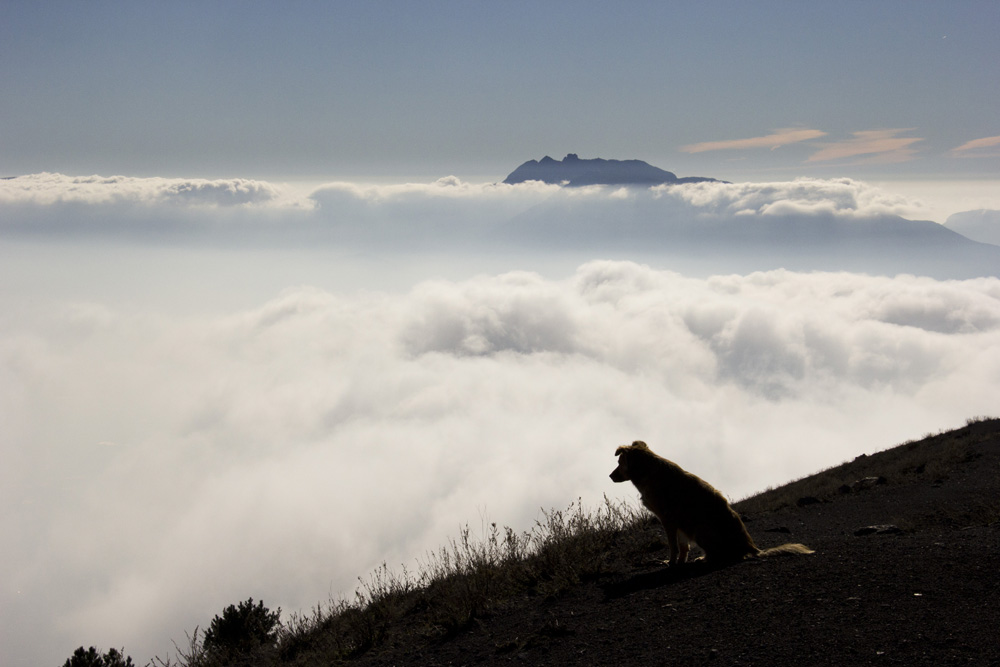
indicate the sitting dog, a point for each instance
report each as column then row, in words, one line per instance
column 690, row 509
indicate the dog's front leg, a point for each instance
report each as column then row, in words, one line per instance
column 678, row 545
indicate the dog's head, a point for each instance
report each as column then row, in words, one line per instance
column 621, row 474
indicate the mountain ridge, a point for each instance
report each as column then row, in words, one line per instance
column 572, row 171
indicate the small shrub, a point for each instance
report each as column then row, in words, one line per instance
column 91, row 658
column 242, row 635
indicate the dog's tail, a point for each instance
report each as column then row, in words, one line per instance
column 786, row 549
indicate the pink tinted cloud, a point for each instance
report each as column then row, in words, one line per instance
column 978, row 148
column 875, row 145
column 774, row 140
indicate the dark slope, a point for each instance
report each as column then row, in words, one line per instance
column 924, row 590
column 574, row 172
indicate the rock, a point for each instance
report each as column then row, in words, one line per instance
column 881, row 529
column 867, row 483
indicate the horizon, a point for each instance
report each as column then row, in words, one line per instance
column 310, row 91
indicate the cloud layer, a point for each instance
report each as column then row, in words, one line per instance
column 159, row 467
column 447, row 208
column 48, row 188
column 700, row 228
column 449, row 196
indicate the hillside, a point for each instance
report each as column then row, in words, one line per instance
column 905, row 572
column 907, row 546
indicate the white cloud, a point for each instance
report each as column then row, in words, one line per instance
column 283, row 450
column 805, row 196
column 49, row 188
column 447, row 203
column 841, row 196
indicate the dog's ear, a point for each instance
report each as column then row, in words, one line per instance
column 639, row 444
column 620, row 451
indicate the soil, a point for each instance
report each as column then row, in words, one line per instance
column 906, row 572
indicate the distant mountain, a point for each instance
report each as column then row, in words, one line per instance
column 573, row 171
column 982, row 225
column 646, row 228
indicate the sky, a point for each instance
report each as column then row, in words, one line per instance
column 269, row 319
column 399, row 91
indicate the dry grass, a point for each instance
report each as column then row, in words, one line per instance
column 470, row 579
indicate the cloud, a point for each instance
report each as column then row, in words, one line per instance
column 725, row 218
column 449, row 199
column 447, row 210
column 407, row 212
column 284, row 449
column 874, row 146
column 877, row 146
column 831, row 224
column 776, row 139
column 49, row 188
column 985, row 147
column 804, row 196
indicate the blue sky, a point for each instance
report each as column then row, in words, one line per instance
column 299, row 90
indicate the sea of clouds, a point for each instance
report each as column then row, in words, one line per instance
column 164, row 460
column 439, row 211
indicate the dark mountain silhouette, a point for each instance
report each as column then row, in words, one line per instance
column 573, row 171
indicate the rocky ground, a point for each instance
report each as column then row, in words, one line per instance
column 906, row 571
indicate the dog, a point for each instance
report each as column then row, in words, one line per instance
column 690, row 509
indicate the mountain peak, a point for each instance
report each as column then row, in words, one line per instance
column 574, row 171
